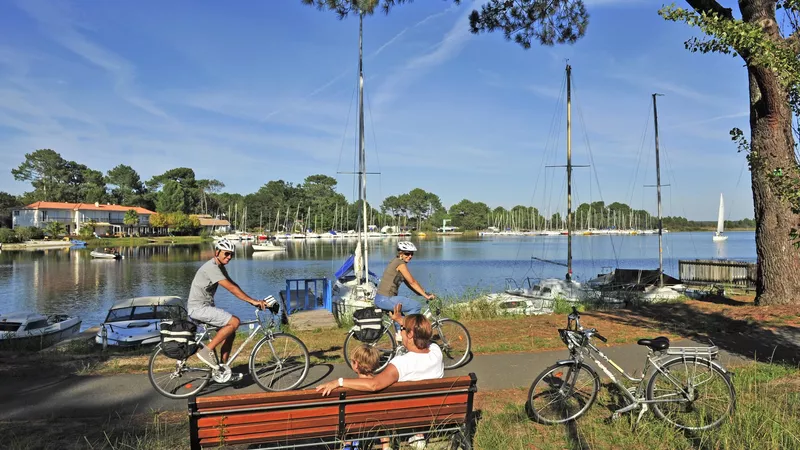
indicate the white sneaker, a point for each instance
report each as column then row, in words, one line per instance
column 398, row 338
column 417, row 442
column 207, row 356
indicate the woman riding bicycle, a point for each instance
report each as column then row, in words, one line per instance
column 397, row 272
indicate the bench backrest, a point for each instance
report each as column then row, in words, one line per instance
column 285, row 417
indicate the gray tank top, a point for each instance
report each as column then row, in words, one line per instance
column 391, row 279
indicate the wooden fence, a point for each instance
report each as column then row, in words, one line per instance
column 718, row 271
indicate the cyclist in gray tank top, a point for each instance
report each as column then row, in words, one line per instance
column 395, row 274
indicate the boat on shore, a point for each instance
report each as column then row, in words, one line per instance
column 134, row 321
column 33, row 331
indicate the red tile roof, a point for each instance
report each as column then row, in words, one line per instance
column 87, row 207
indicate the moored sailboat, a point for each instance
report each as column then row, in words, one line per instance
column 355, row 285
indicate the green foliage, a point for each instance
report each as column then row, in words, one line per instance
column 54, row 229
column 7, row 203
column 524, row 21
column 28, row 233
column 172, row 198
column 7, row 236
column 85, row 233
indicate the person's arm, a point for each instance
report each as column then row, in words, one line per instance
column 412, row 283
column 381, row 381
column 239, row 293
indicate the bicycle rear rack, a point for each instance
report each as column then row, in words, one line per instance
column 708, row 352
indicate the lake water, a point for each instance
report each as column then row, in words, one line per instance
column 71, row 281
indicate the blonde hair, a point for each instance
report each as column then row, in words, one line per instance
column 421, row 327
column 367, row 357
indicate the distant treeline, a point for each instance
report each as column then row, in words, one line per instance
column 314, row 203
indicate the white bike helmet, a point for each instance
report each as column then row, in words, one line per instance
column 406, row 246
column 224, row 245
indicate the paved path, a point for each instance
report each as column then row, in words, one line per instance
column 123, row 395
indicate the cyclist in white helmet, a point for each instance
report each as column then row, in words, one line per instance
column 396, row 273
column 202, row 308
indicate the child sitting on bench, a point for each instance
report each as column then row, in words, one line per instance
column 364, row 360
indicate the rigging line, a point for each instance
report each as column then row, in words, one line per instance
column 671, row 176
column 632, row 188
column 375, row 143
column 344, row 135
column 594, row 168
column 554, row 123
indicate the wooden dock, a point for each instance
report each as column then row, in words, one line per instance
column 718, row 271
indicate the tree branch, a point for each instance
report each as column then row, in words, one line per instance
column 711, row 6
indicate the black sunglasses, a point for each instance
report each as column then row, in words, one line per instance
column 408, row 253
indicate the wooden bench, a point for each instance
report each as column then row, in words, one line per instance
column 297, row 419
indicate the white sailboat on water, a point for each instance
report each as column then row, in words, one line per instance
column 718, row 236
column 539, row 296
column 355, row 285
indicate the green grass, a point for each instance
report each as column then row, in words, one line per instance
column 767, row 417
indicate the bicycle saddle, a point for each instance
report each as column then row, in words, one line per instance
column 659, row 343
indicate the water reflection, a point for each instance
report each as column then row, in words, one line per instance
column 70, row 280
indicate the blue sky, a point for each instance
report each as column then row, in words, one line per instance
column 252, row 91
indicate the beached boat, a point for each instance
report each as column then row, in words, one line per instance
column 134, row 321
column 33, row 331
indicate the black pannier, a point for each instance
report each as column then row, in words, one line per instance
column 178, row 338
column 367, row 324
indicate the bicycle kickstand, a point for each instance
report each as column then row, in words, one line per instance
column 644, row 409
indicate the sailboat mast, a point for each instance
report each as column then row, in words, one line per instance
column 569, row 173
column 362, row 157
column 658, row 191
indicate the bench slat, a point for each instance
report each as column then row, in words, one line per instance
column 272, row 436
column 390, row 418
column 397, row 405
column 428, row 425
column 265, row 417
column 290, row 428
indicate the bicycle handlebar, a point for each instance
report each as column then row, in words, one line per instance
column 575, row 316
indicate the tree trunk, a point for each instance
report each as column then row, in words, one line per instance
column 772, row 147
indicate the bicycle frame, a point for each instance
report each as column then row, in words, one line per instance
column 255, row 330
column 652, row 360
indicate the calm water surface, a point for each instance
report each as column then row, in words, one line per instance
column 71, row 281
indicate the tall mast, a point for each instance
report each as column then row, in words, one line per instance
column 569, row 173
column 658, row 190
column 362, row 156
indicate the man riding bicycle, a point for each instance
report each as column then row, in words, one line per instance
column 202, row 308
column 397, row 272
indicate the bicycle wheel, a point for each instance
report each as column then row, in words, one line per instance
column 453, row 338
column 279, row 362
column 386, row 345
column 562, row 393
column 175, row 378
column 694, row 394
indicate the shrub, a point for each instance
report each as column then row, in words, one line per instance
column 8, row 236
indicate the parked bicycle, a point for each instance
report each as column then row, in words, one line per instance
column 449, row 334
column 278, row 362
column 687, row 388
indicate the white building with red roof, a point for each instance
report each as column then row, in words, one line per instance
column 105, row 219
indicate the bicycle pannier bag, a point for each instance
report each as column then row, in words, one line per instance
column 178, row 338
column 367, row 326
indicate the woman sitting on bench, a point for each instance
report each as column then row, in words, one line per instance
column 422, row 362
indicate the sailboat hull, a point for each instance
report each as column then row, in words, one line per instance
column 718, row 238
